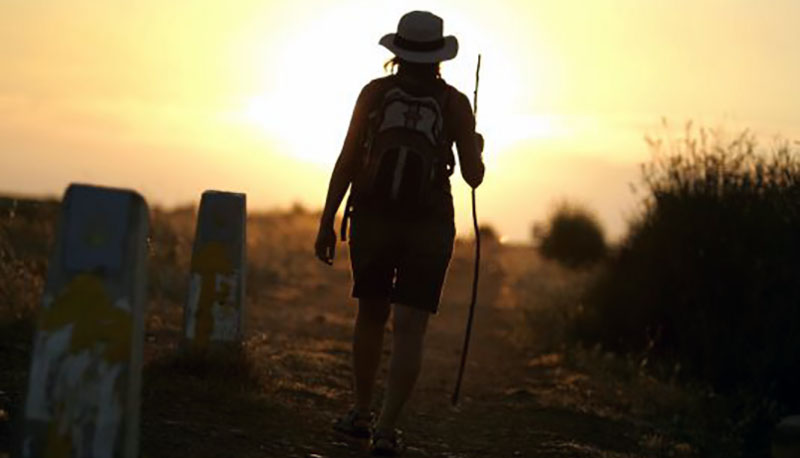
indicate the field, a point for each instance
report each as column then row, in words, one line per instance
column 528, row 391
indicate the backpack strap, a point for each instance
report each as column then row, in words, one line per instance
column 444, row 103
column 374, row 115
column 365, row 143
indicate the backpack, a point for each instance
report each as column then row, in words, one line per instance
column 406, row 153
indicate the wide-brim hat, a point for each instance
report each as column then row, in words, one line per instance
column 420, row 38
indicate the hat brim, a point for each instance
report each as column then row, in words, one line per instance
column 446, row 52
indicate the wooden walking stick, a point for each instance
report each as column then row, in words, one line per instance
column 471, row 316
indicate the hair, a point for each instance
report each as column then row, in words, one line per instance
column 396, row 65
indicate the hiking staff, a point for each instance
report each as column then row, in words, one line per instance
column 471, row 315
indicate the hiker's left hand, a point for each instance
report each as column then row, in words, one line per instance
column 325, row 246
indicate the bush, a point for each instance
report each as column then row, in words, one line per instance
column 573, row 237
column 488, row 234
column 707, row 276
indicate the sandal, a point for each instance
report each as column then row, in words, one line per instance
column 387, row 443
column 355, row 424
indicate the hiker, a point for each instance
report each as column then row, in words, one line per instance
column 398, row 158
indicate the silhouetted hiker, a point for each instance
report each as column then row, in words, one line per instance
column 398, row 157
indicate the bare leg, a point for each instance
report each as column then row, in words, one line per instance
column 367, row 347
column 409, row 333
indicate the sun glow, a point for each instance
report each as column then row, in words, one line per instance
column 307, row 108
column 307, row 104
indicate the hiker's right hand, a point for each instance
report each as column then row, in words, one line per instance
column 479, row 143
column 325, row 246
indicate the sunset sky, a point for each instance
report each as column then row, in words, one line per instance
column 175, row 97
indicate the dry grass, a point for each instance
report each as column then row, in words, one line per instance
column 687, row 418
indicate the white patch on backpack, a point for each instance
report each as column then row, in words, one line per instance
column 421, row 114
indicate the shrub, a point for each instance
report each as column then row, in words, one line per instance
column 573, row 237
column 707, row 276
column 488, row 234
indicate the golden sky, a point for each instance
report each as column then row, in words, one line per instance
column 174, row 97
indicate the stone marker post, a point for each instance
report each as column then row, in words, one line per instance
column 85, row 378
column 215, row 305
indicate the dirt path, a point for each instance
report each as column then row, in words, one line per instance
column 512, row 404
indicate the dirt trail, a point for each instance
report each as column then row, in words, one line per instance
column 300, row 346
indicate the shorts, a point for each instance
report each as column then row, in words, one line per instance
column 403, row 260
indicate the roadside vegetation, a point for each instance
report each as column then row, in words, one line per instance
column 702, row 292
column 572, row 236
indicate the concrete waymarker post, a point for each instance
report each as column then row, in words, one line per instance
column 215, row 306
column 85, row 378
